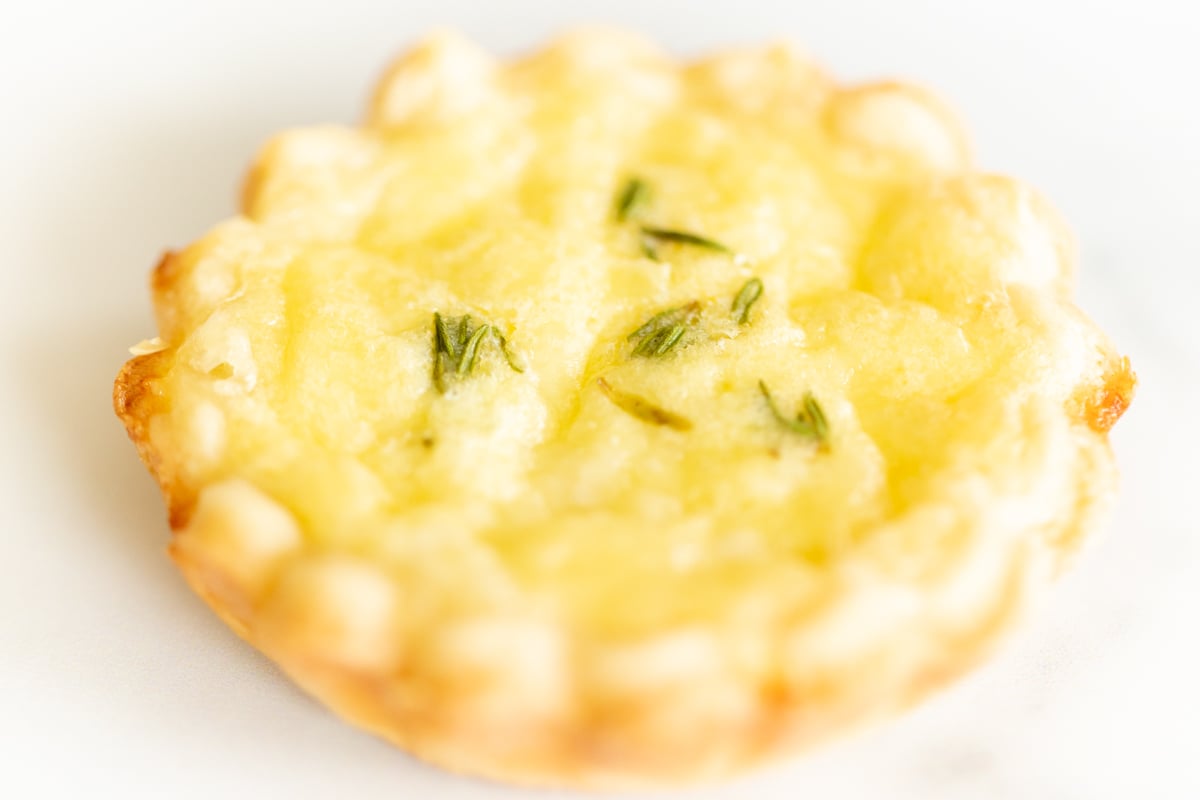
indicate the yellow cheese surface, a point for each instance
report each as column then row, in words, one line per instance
column 924, row 306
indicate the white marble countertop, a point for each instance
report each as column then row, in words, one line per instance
column 126, row 128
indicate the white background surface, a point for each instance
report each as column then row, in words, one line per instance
column 126, row 127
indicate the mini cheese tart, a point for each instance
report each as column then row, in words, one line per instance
column 600, row 420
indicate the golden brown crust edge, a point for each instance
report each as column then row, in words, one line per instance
column 557, row 753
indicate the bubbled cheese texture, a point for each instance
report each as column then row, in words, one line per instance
column 924, row 306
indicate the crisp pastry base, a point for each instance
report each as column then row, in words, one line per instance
column 696, row 723
column 513, row 692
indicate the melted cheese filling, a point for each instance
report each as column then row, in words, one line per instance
column 915, row 302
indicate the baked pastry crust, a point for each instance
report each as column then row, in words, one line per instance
column 969, row 404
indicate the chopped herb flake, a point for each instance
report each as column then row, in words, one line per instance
column 442, row 351
column 653, row 237
column 456, row 344
column 643, row 409
column 464, row 333
column 746, row 298
column 509, row 355
column 471, row 349
column 649, row 247
column 814, row 412
column 810, row 422
column 661, row 333
column 634, row 195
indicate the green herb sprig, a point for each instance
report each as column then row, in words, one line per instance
column 661, row 333
column 809, row 422
column 643, row 409
column 653, row 238
column 467, row 361
column 746, row 297
column 635, row 194
column 456, row 343
column 510, row 355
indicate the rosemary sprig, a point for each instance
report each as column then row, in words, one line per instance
column 648, row 247
column 456, row 343
column 746, row 298
column 463, row 333
column 652, row 238
column 809, row 422
column 660, row 343
column 634, row 195
column 661, row 333
column 467, row 362
column 443, row 351
column 643, row 409
column 509, row 355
